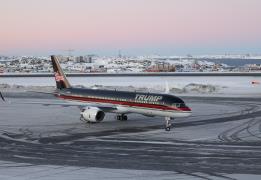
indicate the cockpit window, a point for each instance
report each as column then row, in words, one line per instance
column 179, row 105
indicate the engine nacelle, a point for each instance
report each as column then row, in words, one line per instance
column 92, row 114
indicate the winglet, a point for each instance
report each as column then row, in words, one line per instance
column 60, row 78
column 166, row 87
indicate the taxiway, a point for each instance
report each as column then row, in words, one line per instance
column 221, row 140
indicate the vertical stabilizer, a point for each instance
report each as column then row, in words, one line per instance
column 60, row 78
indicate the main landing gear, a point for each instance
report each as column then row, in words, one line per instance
column 121, row 117
column 168, row 123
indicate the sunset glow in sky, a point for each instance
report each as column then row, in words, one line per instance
column 167, row 27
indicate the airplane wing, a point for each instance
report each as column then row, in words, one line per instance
column 105, row 108
column 43, row 92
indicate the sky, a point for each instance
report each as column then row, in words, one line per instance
column 137, row 27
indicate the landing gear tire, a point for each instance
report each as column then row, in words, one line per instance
column 167, row 128
column 122, row 117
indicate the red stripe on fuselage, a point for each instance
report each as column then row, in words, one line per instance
column 126, row 103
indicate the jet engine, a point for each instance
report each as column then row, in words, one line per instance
column 92, row 114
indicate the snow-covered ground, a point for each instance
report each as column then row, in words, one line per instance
column 189, row 85
column 29, row 138
column 213, row 121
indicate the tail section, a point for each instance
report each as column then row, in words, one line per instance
column 60, row 78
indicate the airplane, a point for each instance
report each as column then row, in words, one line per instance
column 97, row 102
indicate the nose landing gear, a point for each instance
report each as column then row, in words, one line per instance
column 168, row 123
